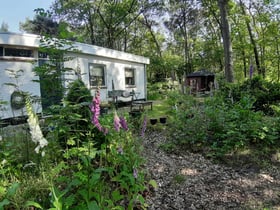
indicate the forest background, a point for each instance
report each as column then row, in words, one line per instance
column 232, row 38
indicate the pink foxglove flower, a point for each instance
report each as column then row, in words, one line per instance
column 95, row 109
column 123, row 123
column 117, row 124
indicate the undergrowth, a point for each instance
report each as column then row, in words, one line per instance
column 88, row 161
column 222, row 126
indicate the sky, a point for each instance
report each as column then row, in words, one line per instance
column 14, row 11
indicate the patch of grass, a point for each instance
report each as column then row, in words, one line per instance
column 179, row 179
column 160, row 108
column 168, row 147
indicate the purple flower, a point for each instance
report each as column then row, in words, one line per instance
column 105, row 131
column 123, row 123
column 251, row 71
column 135, row 173
column 144, row 126
column 120, row 150
column 117, row 124
column 95, row 109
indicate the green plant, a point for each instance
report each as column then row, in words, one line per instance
column 265, row 93
column 179, row 179
column 8, row 196
column 99, row 174
column 78, row 93
column 89, row 173
column 159, row 90
column 187, row 125
column 168, row 147
column 219, row 125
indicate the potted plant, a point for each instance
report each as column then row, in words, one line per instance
column 153, row 121
column 162, row 120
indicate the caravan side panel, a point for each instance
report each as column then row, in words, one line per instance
column 114, row 75
column 24, row 83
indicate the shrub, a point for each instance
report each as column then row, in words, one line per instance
column 78, row 93
column 219, row 125
column 265, row 93
column 72, row 121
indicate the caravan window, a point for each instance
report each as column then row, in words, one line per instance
column 96, row 75
column 129, row 77
column 16, row 52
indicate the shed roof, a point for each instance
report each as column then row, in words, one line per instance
column 201, row 73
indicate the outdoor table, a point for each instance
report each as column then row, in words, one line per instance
column 142, row 104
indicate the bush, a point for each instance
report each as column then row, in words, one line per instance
column 72, row 121
column 219, row 125
column 265, row 93
column 78, row 93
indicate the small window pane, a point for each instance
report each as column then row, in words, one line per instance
column 129, row 76
column 96, row 71
column 97, row 75
column 43, row 55
column 1, row 51
column 129, row 73
column 18, row 52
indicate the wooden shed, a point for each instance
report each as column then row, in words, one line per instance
column 200, row 81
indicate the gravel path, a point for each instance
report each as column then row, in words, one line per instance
column 189, row 181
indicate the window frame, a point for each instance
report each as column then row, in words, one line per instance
column 18, row 52
column 91, row 81
column 30, row 52
column 133, row 83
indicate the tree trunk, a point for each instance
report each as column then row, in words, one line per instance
column 252, row 39
column 278, row 60
column 244, row 63
column 225, row 30
column 149, row 27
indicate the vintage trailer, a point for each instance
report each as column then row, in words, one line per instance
column 97, row 66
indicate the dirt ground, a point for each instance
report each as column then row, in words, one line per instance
column 190, row 181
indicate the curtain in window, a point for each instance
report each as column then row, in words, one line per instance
column 97, row 76
column 129, row 73
column 129, row 77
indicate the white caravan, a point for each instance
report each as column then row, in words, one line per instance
column 19, row 54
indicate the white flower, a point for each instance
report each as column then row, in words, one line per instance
column 43, row 153
column 35, row 130
column 4, row 162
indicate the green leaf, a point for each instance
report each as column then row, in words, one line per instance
column 116, row 195
column 93, row 206
column 12, row 189
column 153, row 183
column 83, row 177
column 95, row 178
column 71, row 142
column 56, row 202
column 4, row 203
column 33, row 204
column 84, row 194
